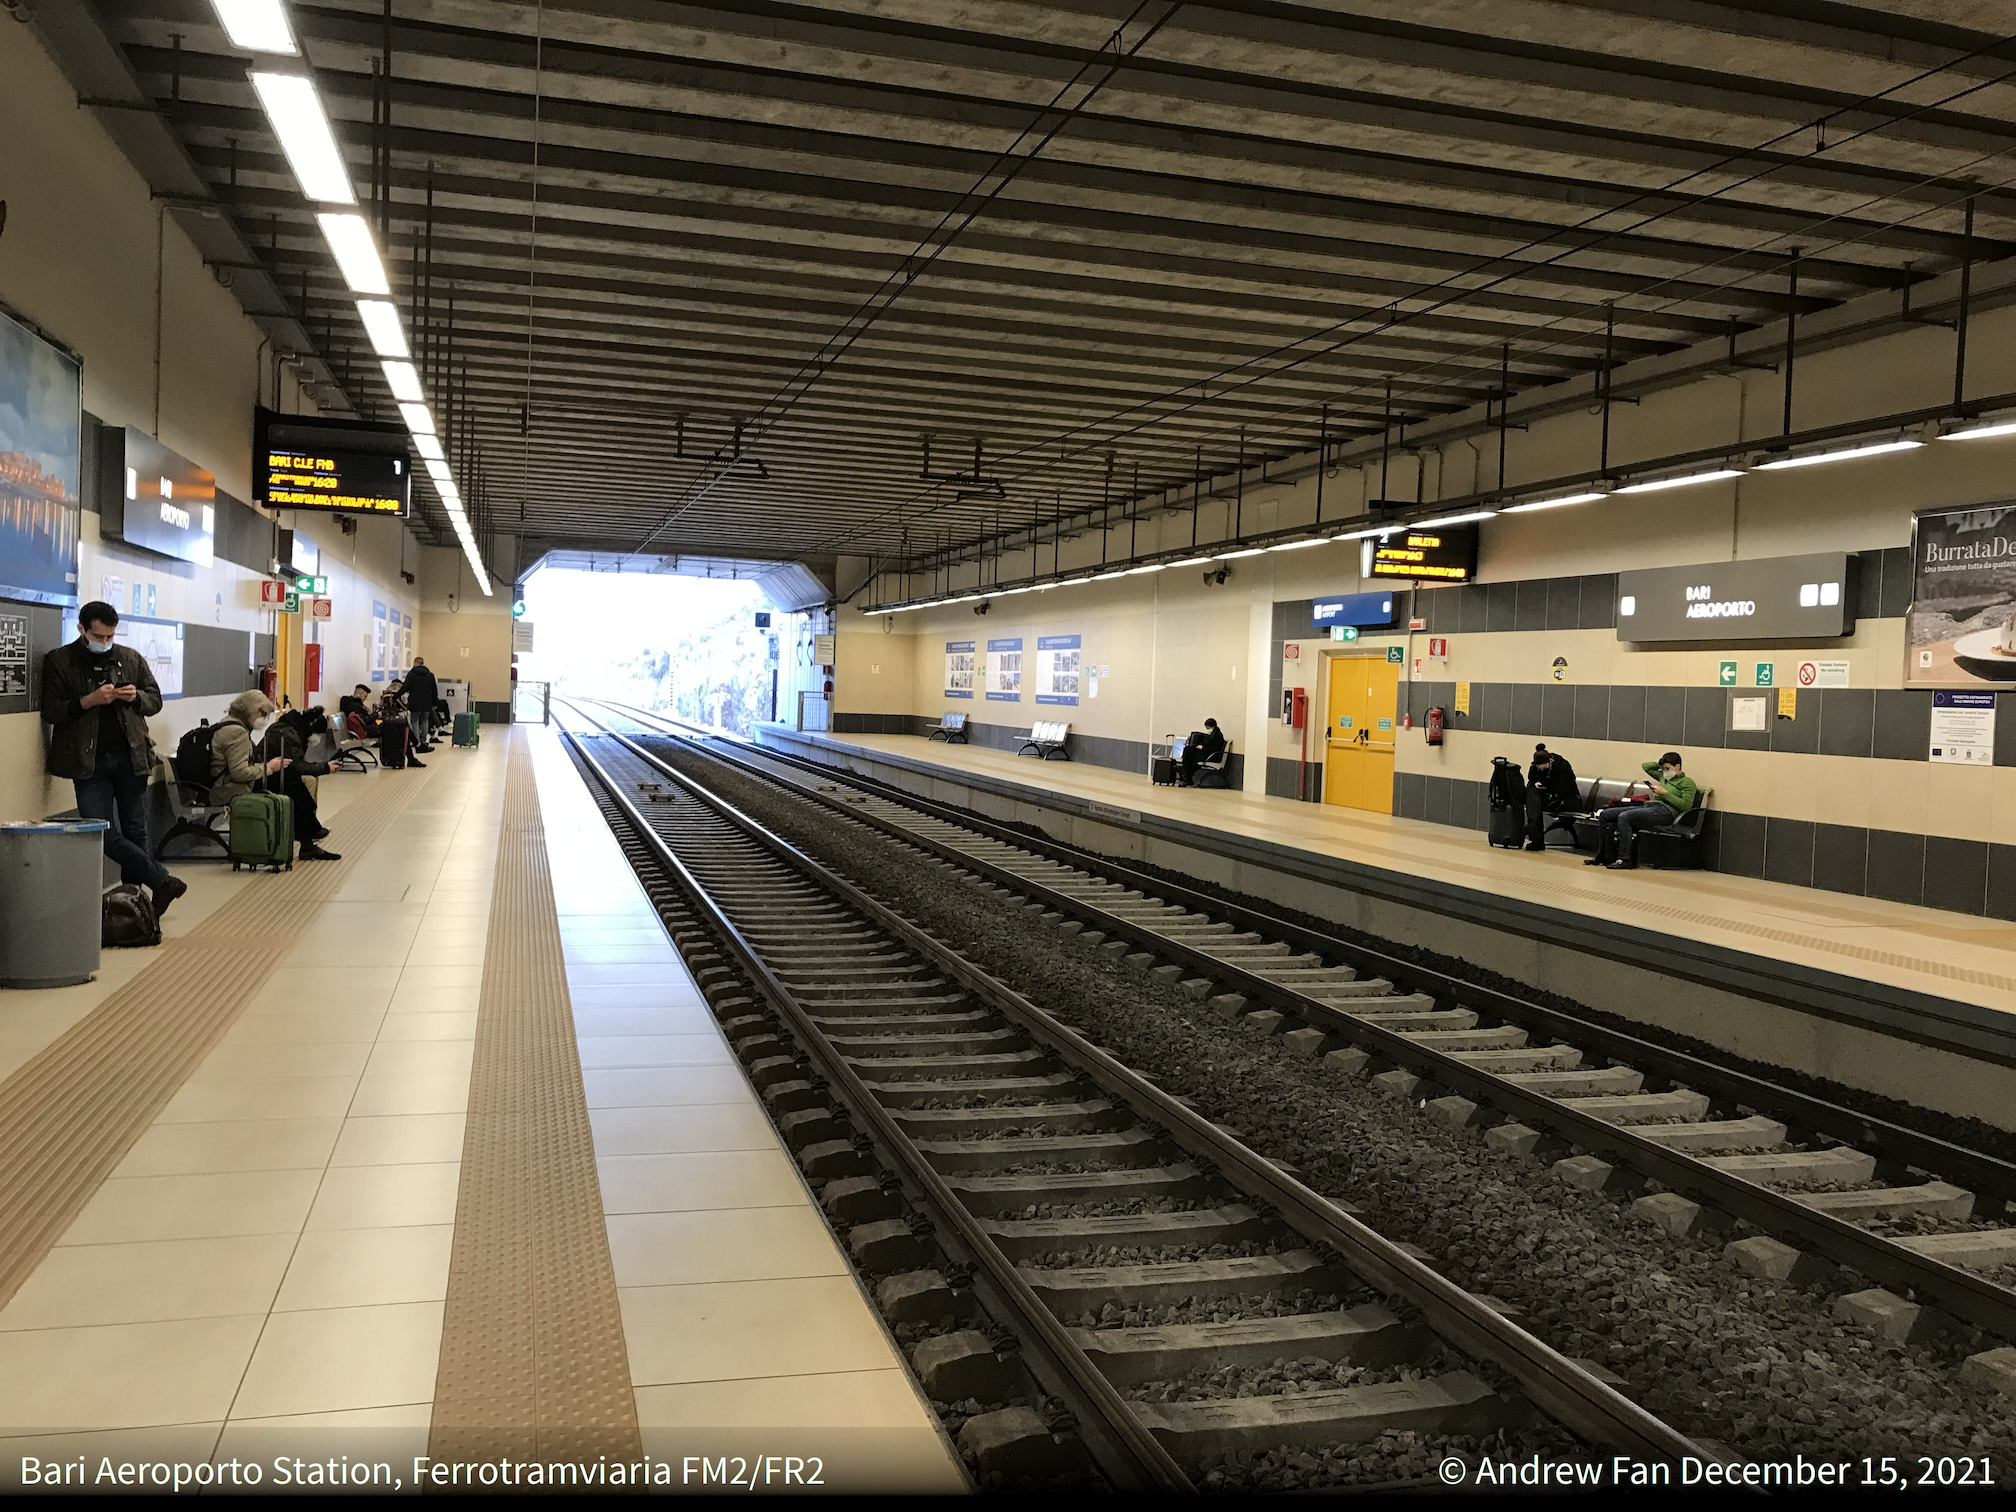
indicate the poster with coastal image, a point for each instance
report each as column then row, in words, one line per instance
column 1960, row 630
column 41, row 420
column 1004, row 669
column 959, row 668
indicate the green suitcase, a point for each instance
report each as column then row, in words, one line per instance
column 467, row 728
column 262, row 831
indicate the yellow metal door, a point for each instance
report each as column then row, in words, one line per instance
column 1358, row 744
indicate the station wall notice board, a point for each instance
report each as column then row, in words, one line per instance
column 1004, row 669
column 959, row 668
column 1058, row 669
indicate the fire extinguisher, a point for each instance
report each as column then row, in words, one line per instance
column 1435, row 718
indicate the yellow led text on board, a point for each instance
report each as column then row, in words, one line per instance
column 303, row 478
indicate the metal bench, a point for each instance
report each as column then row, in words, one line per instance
column 1678, row 846
column 951, row 729
column 1046, row 738
column 195, row 815
column 1214, row 768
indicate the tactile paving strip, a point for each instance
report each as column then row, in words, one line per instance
column 533, row 1360
column 72, row 1111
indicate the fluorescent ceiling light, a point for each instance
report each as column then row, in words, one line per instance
column 1102, row 577
column 1296, row 545
column 296, row 113
column 1581, row 498
column 1155, row 567
column 1874, row 449
column 405, row 381
column 381, row 324
column 1360, row 535
column 1681, row 482
column 1194, row 562
column 349, row 239
column 1249, row 551
column 440, row 473
column 417, row 419
column 428, row 446
column 1982, row 432
column 256, row 25
column 1455, row 519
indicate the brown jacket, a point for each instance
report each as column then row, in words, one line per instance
column 68, row 673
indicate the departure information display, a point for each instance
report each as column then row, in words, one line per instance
column 332, row 466
column 1447, row 555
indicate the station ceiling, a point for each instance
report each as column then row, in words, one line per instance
column 1109, row 244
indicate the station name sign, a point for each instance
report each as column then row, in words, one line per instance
column 1445, row 555
column 1771, row 598
column 334, row 466
column 1361, row 609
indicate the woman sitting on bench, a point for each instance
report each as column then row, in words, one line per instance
column 1207, row 744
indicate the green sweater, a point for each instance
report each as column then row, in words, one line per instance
column 1680, row 791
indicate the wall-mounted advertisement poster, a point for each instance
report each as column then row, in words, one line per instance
column 1004, row 669
column 959, row 669
column 41, row 418
column 1057, row 669
column 380, row 636
column 1961, row 628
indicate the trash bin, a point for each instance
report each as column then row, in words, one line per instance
column 51, row 878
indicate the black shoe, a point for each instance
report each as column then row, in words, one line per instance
column 314, row 852
column 1534, row 846
column 321, row 833
column 1623, row 866
column 166, row 894
column 1596, row 861
column 412, row 763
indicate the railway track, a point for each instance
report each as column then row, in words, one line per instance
column 1822, row 1185
column 997, row 1174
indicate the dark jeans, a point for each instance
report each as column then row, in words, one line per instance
column 118, row 795
column 1618, row 828
column 306, row 825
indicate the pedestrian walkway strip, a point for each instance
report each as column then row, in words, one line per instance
column 70, row 1113
column 533, row 1360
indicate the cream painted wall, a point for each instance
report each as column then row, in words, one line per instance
column 463, row 634
column 876, row 670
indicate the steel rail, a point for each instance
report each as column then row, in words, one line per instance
column 1965, row 1295
column 1136, row 1460
column 1557, row 1384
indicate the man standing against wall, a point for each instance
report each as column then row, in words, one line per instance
column 98, row 697
column 423, row 695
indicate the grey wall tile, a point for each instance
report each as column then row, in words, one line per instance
column 2005, row 730
column 1956, row 874
column 1531, row 613
column 1896, row 582
column 1592, row 712
column 1564, row 603
column 1705, row 718
column 1435, row 799
column 1410, row 795
column 1627, row 713
column 1557, row 710
column 1740, row 845
column 1474, row 608
column 1665, row 716
column 1865, row 573
column 1470, row 805
column 1503, row 601
column 1896, row 867
column 1493, row 701
column 1801, row 733
column 1903, row 723
column 1788, row 851
column 1599, row 602
column 1847, row 721
column 1840, row 857
column 2001, row 882
column 1527, row 708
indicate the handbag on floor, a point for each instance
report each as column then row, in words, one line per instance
column 128, row 918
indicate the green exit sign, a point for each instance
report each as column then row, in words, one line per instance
column 311, row 585
column 1343, row 632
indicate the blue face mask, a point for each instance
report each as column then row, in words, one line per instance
column 95, row 649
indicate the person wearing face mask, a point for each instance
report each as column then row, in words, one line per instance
column 239, row 763
column 97, row 697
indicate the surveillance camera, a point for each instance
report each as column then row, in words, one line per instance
column 1214, row 577
column 983, row 606
column 406, row 575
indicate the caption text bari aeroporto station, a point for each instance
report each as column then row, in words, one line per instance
column 1134, row 745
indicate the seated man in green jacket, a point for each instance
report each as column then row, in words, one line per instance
column 1673, row 794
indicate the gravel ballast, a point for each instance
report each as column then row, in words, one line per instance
column 1759, row 1365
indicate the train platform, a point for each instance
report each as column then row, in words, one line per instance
column 1824, row 983
column 434, row 1151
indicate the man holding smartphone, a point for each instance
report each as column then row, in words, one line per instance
column 97, row 696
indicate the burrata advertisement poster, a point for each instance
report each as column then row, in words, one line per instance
column 1960, row 631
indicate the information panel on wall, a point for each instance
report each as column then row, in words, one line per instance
column 1364, row 610
column 1769, row 598
column 1960, row 630
column 1447, row 555
column 1004, row 669
column 380, row 641
column 346, row 466
column 1057, row 669
column 959, row 669
column 41, row 430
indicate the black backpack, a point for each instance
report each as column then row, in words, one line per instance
column 192, row 755
column 128, row 918
column 1508, row 787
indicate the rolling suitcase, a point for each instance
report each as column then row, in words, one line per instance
column 392, row 736
column 468, row 727
column 1508, row 827
column 262, row 831
column 1163, row 772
